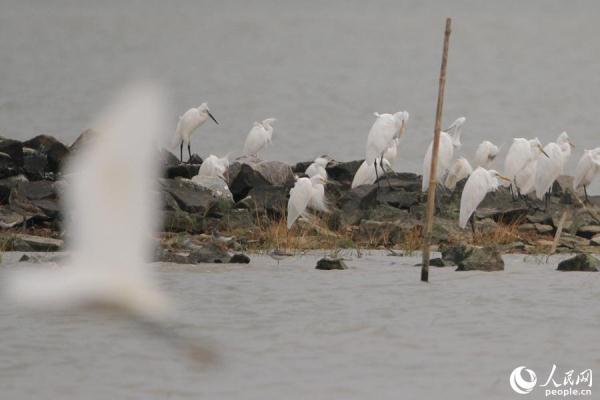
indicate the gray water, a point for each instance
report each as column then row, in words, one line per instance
column 289, row 331
column 322, row 68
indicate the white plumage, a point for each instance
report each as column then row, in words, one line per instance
column 213, row 166
column 550, row 168
column 587, row 169
column 191, row 120
column 259, row 136
column 459, row 170
column 365, row 175
column 520, row 163
column 306, row 193
column 481, row 182
column 485, row 154
column 384, row 130
column 317, row 168
column 449, row 140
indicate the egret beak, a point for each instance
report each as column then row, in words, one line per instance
column 211, row 117
column 571, row 144
column 542, row 150
column 504, row 178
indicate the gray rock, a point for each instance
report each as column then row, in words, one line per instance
column 187, row 171
column 356, row 202
column 248, row 173
column 482, row 259
column 271, row 200
column 39, row 243
column 542, row 228
column 55, row 151
column 343, row 172
column 328, row 264
column 239, row 258
column 595, row 240
column 35, row 165
column 7, row 184
column 398, row 198
column 214, row 184
column 181, row 221
column 83, row 140
column 581, row 262
column 8, row 166
column 454, row 254
column 13, row 149
column 9, row 218
column 189, row 196
column 208, row 253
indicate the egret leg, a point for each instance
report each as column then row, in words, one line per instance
column 546, row 199
column 377, row 175
column 190, row 153
column 585, row 192
column 181, row 152
column 387, row 178
column 472, row 220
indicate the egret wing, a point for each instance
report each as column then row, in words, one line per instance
column 473, row 194
column 299, row 197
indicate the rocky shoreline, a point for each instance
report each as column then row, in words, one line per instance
column 207, row 220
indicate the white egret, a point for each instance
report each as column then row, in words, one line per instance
column 480, row 183
column 384, row 130
column 485, row 154
column 550, row 168
column 391, row 153
column 459, row 170
column 317, row 168
column 449, row 140
column 214, row 166
column 587, row 169
column 365, row 175
column 188, row 123
column 112, row 196
column 520, row 164
column 306, row 193
column 259, row 136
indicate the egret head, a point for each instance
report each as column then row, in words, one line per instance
column 537, row 148
column 267, row 122
column 454, row 130
column 322, row 161
column 564, row 140
column 203, row 109
column 497, row 175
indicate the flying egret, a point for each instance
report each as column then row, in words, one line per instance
column 318, row 167
column 449, row 140
column 550, row 168
column 520, row 164
column 112, row 195
column 485, row 154
column 188, row 123
column 384, row 130
column 586, row 170
column 214, row 166
column 259, row 136
column 480, row 182
column 459, row 170
column 365, row 175
column 306, row 193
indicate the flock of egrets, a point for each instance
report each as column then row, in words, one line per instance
column 529, row 167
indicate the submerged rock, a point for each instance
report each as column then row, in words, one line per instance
column 482, row 259
column 239, row 258
column 581, row 262
column 328, row 264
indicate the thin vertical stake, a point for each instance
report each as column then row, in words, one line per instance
column 434, row 156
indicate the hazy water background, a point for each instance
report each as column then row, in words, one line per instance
column 516, row 68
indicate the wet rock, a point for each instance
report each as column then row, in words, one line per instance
column 239, row 258
column 407, row 181
column 398, row 198
column 189, row 196
column 454, row 254
column 248, row 173
column 328, row 264
column 482, row 259
column 167, row 159
column 8, row 166
column 38, row 243
column 9, row 218
column 55, row 151
column 271, row 200
column 35, row 165
column 581, row 262
column 37, row 190
column 208, row 253
column 343, row 172
column 385, row 212
column 181, row 221
column 356, row 202
column 214, row 184
column 187, row 171
column 437, row 262
column 195, row 159
column 7, row 184
column 13, row 149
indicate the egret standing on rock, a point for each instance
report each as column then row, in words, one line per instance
column 586, row 170
column 318, row 168
column 459, row 170
column 449, row 140
column 306, row 193
column 550, row 168
column 520, row 164
column 214, row 166
column 188, row 123
column 480, row 183
column 259, row 136
column 485, row 155
column 365, row 175
column 385, row 129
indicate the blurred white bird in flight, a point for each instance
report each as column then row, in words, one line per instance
column 306, row 193
column 480, row 182
column 551, row 167
column 113, row 198
column 587, row 169
column 191, row 120
column 449, row 140
column 259, row 137
column 382, row 135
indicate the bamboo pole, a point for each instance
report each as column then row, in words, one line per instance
column 434, row 156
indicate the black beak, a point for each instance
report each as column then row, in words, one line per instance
column 213, row 118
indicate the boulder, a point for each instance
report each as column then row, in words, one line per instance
column 595, row 240
column 189, row 196
column 500, row 206
column 407, row 181
column 167, row 159
column 356, row 202
column 208, row 253
column 455, row 254
column 398, row 198
column 239, row 258
column 482, row 259
column 9, row 218
column 237, row 219
column 588, row 231
column 543, row 228
column 22, row 205
column 35, row 165
column 271, row 200
column 195, row 159
column 187, row 171
column 37, row 190
column 214, row 184
column 581, row 262
column 82, row 140
column 328, row 264
column 300, row 167
column 55, row 151
column 248, row 173
column 13, row 149
column 181, row 221
column 8, row 166
column 8, row 184
column 38, row 243
column 343, row 172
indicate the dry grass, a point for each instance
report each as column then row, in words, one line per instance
column 502, row 234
